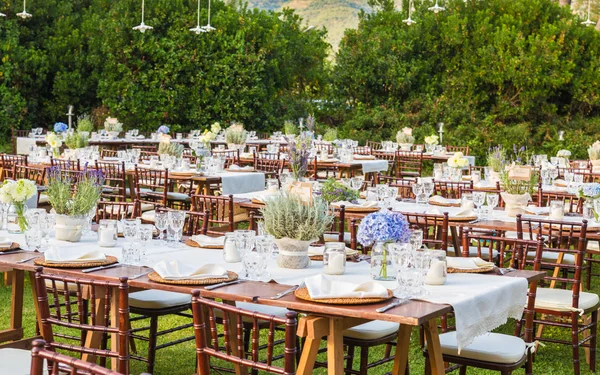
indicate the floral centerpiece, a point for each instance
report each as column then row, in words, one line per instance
column 73, row 202
column 210, row 135
column 496, row 160
column 85, row 125
column 163, row 129
column 335, row 191
column 55, row 143
column 235, row 136
column 405, row 139
column 432, row 140
column 563, row 158
column 60, row 127
column 298, row 154
column 519, row 182
column 382, row 228
column 594, row 154
column 456, row 163
column 330, row 135
column 591, row 192
column 113, row 127
column 169, row 148
column 16, row 194
column 294, row 224
column 76, row 140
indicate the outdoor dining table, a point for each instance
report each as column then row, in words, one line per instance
column 322, row 320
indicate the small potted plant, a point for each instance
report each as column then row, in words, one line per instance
column 16, row 193
column 594, row 154
column 496, row 160
column 169, row 148
column 295, row 225
column 113, row 127
column 381, row 229
column 73, row 206
column 405, row 139
column 563, row 158
column 75, row 141
column 335, row 191
column 235, row 136
column 85, row 125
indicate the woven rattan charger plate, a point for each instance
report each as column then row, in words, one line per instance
column 41, row 261
column 462, row 218
column 153, row 276
column 474, row 270
column 361, row 209
column 192, row 243
column 242, row 170
column 303, row 294
column 434, row 203
column 13, row 246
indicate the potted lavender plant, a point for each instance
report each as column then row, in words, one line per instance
column 73, row 206
column 299, row 150
column 380, row 229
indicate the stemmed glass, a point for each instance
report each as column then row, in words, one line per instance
column 553, row 174
column 356, row 183
column 244, row 242
column 161, row 222
column 417, row 189
column 478, row 200
column 492, row 202
column 176, row 220
column 416, row 239
column 392, row 195
column 428, row 187
column 130, row 228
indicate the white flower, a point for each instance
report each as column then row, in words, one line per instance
column 215, row 128
column 563, row 154
column 53, row 140
column 407, row 131
column 458, row 161
column 432, row 140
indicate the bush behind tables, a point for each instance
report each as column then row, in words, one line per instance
column 494, row 71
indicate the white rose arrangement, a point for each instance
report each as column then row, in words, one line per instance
column 432, row 140
column 594, row 151
column 458, row 160
column 55, row 143
column 405, row 136
column 112, row 124
column 563, row 154
column 210, row 135
column 17, row 193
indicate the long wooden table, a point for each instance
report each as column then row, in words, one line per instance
column 323, row 320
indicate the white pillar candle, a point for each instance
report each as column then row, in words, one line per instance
column 437, row 273
column 557, row 213
column 335, row 266
column 107, row 237
column 232, row 255
column 475, row 178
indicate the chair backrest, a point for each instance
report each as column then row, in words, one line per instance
column 409, row 164
column 115, row 180
column 488, row 189
column 34, row 174
column 362, row 150
column 338, row 226
column 151, row 186
column 62, row 364
column 145, row 148
column 108, row 153
column 374, row 145
column 231, row 156
column 451, row 190
column 117, row 210
column 271, row 167
column 486, row 243
column 463, row 149
column 146, row 155
column 324, row 147
column 220, row 212
column 390, row 157
column 68, row 164
column 8, row 161
column 56, row 315
column 434, row 227
column 404, row 186
column 230, row 348
column 572, row 203
column 196, row 223
column 562, row 238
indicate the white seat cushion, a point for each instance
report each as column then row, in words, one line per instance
column 552, row 257
column 158, row 299
column 72, row 287
column 253, row 307
column 178, row 196
column 147, row 207
column 149, row 216
column 562, row 300
column 16, row 362
column 333, row 237
column 485, row 251
column 372, row 330
column 491, row 347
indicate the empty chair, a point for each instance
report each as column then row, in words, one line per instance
column 463, row 149
column 409, row 164
column 115, row 181
column 221, row 214
column 8, row 161
column 451, row 190
column 66, row 164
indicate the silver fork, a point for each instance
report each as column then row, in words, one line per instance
column 288, row 291
column 25, row 260
column 140, row 275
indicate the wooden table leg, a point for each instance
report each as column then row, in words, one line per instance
column 15, row 331
column 313, row 329
column 335, row 347
column 402, row 348
column 433, row 347
column 94, row 339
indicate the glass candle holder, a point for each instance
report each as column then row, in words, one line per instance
column 230, row 252
column 557, row 210
column 107, row 233
column 437, row 268
column 334, row 258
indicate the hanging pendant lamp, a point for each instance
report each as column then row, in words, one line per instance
column 436, row 8
column 208, row 27
column 24, row 14
column 409, row 21
column 198, row 29
column 588, row 22
column 142, row 27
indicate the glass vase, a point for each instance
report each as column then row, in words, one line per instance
column 16, row 223
column 382, row 268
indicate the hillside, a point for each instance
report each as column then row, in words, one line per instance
column 335, row 15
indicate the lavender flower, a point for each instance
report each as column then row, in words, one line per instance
column 383, row 226
column 299, row 150
column 60, row 127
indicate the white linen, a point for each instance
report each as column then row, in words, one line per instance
column 463, row 263
column 258, row 195
column 203, row 240
column 537, row 210
column 363, row 157
column 319, row 250
column 5, row 242
column 235, row 167
column 72, row 255
column 241, row 182
column 24, row 145
column 481, row 303
column 322, row 287
column 362, row 204
column 441, row 200
column 370, row 166
column 175, row 270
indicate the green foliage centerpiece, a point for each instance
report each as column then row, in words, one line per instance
column 295, row 224
column 335, row 191
column 405, row 139
column 16, row 194
column 235, row 136
column 519, row 181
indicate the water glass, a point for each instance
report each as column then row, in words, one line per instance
column 161, row 222
column 133, row 253
column 176, row 221
column 416, row 239
column 33, row 239
column 254, row 264
column 410, row 283
column 144, row 233
column 130, row 228
column 402, row 255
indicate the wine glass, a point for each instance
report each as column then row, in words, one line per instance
column 244, row 242
column 553, row 174
column 417, row 189
column 161, row 222
column 356, row 183
column 492, row 202
column 478, row 200
column 416, row 238
column 176, row 221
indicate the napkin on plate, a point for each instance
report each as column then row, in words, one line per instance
column 70, row 255
column 175, row 270
column 321, row 287
column 203, row 240
column 445, row 201
column 365, row 204
column 537, row 210
column 235, row 167
column 364, row 157
column 466, row 212
column 5, row 242
column 560, row 183
column 462, row 263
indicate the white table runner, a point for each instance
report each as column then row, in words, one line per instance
column 24, row 145
column 242, row 182
column 370, row 166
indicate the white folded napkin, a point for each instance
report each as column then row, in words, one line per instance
column 5, row 242
column 175, row 270
column 560, row 182
column 203, row 240
column 537, row 210
column 321, row 287
column 235, row 167
column 441, row 200
column 140, row 137
column 364, row 157
column 246, row 155
column 462, row 263
column 434, row 211
column 466, row 212
column 365, row 204
column 70, row 255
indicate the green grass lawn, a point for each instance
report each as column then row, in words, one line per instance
column 179, row 360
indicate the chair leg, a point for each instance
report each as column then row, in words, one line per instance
column 350, row 359
column 364, row 360
column 575, row 342
column 462, row 370
column 588, row 277
column 152, row 343
column 593, row 340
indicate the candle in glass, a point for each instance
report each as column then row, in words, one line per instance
column 334, row 258
column 557, row 210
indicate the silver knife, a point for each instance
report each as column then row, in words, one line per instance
column 140, row 275
column 26, row 259
column 287, row 291
column 211, row 287
column 94, row 269
column 391, row 305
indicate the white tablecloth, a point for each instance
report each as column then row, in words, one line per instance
column 242, row 182
column 24, row 145
column 370, row 166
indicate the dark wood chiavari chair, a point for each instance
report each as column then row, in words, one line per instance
column 337, row 232
column 374, row 145
column 115, row 181
column 73, row 165
column 221, row 216
column 496, row 351
column 231, row 156
column 434, row 227
column 152, row 149
column 147, row 155
column 324, row 147
column 271, row 167
column 568, row 307
column 208, row 313
column 451, row 190
column 117, row 210
column 391, row 158
column 55, row 316
column 9, row 161
column 188, row 154
column 362, row 150
column 409, row 164
column 151, row 188
column 108, row 153
column 572, row 204
column 463, row 149
column 404, row 186
column 196, row 223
